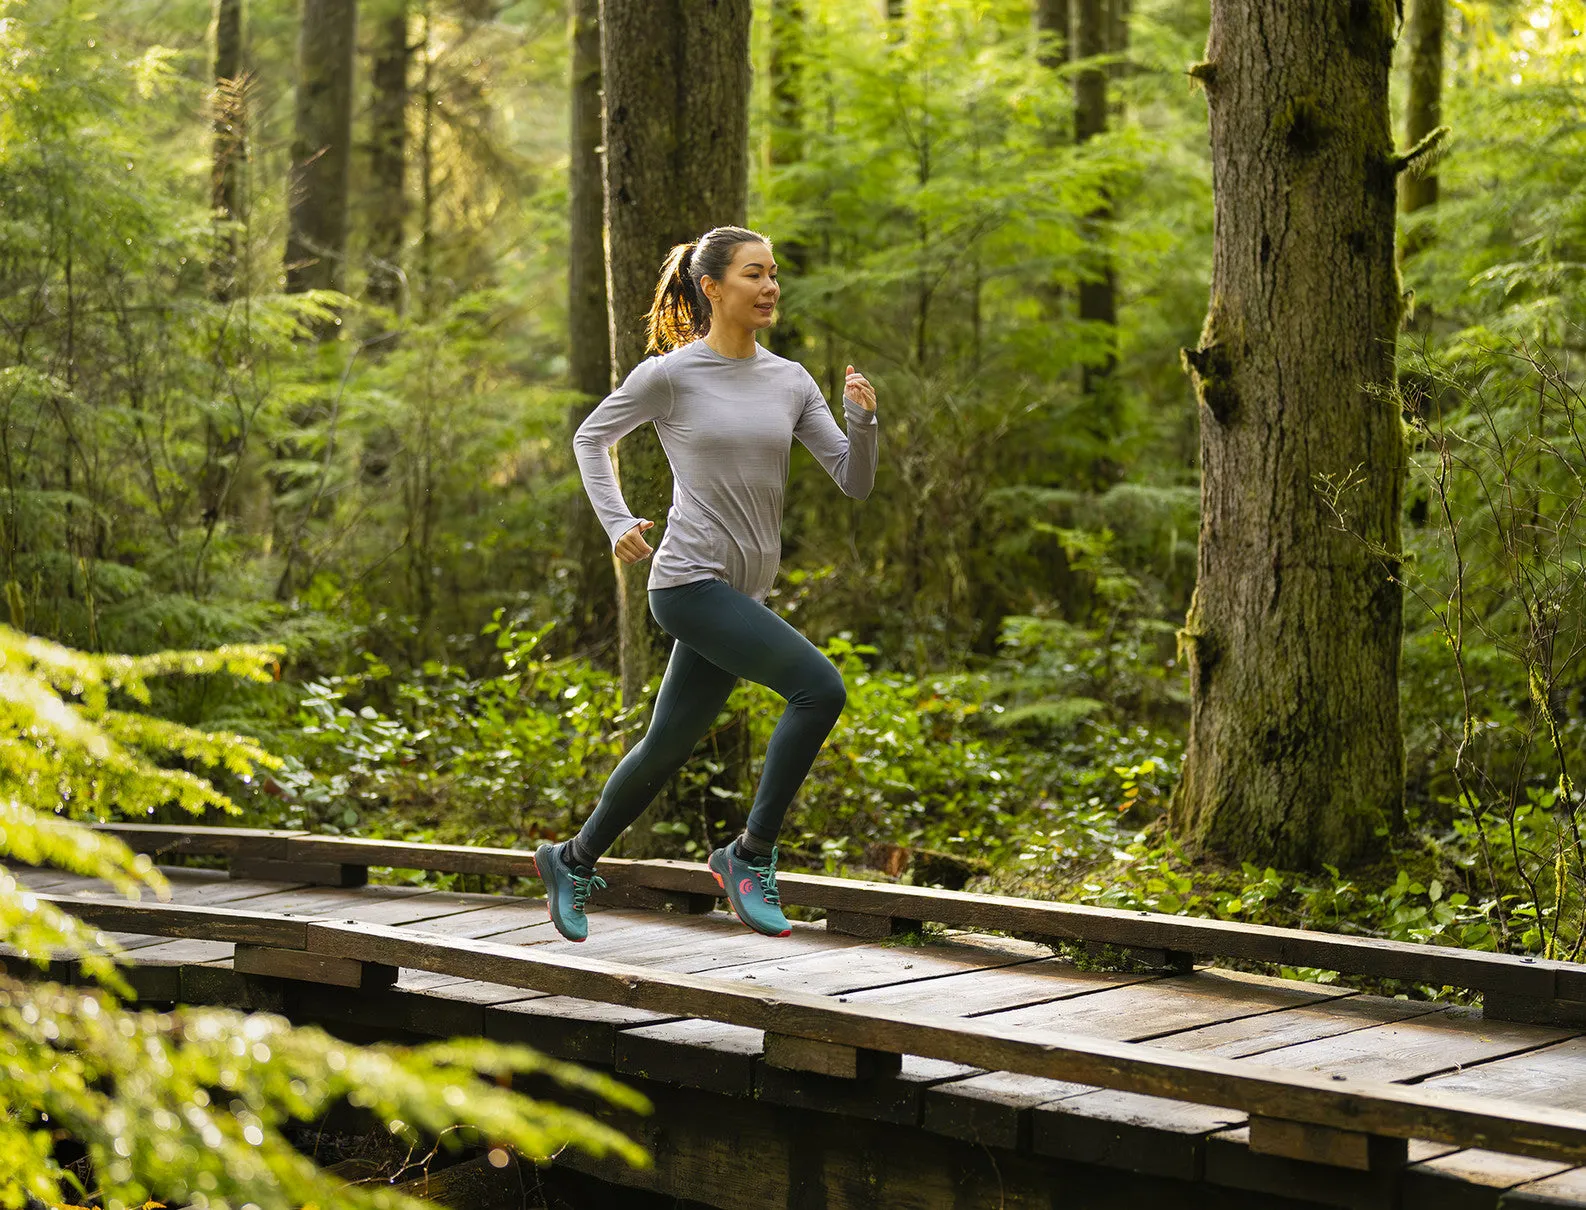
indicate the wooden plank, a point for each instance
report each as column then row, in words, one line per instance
column 209, row 841
column 973, row 994
column 850, row 967
column 1551, row 1075
column 416, row 1004
column 828, row 1058
column 312, row 968
column 873, row 927
column 319, row 873
column 1326, row 1145
column 1167, row 1005
column 1151, row 1135
column 179, row 920
column 412, row 855
column 696, row 1054
column 1565, row 1189
column 894, row 1098
column 1469, row 1180
column 214, row 888
column 584, row 1031
column 1167, row 1137
column 1232, row 1164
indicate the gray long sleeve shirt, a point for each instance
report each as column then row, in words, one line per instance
column 727, row 425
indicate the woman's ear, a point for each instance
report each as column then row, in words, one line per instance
column 710, row 289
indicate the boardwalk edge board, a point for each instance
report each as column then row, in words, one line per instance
column 1393, row 1111
column 1522, row 988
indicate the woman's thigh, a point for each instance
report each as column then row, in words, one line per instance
column 740, row 635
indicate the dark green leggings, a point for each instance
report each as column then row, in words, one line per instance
column 722, row 634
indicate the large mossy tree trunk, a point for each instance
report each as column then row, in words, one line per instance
column 1295, row 753
column 676, row 81
column 589, row 560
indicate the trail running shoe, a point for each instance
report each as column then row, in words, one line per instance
column 751, row 890
column 567, row 889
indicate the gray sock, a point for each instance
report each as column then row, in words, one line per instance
column 574, row 854
column 748, row 846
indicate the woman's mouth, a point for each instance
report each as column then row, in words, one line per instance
column 765, row 308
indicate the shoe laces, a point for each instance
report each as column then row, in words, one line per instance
column 766, row 873
column 583, row 884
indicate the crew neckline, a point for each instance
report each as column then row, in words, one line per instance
column 712, row 353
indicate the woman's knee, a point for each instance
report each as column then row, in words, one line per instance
column 825, row 690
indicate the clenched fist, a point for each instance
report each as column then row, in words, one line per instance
column 630, row 548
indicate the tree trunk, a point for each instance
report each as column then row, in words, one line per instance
column 788, row 48
column 316, row 244
column 676, row 79
column 229, row 114
column 1295, row 753
column 1052, row 20
column 1097, row 296
column 230, row 120
column 1425, row 26
column 388, row 110
column 588, row 323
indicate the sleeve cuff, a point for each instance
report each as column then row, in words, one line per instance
column 857, row 414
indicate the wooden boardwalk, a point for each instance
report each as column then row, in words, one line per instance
column 977, row 1070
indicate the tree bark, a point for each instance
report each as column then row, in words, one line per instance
column 588, row 321
column 388, row 111
column 1052, row 17
column 1426, row 24
column 316, row 245
column 1097, row 291
column 230, row 124
column 788, row 48
column 1295, row 752
column 676, row 79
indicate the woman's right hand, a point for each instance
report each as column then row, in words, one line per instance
column 630, row 548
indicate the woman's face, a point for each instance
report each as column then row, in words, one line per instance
column 747, row 293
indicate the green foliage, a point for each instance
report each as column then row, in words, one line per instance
column 191, row 1105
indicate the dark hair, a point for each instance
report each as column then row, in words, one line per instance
column 681, row 312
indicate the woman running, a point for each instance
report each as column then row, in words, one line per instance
column 727, row 412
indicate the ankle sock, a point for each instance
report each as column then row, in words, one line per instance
column 752, row 848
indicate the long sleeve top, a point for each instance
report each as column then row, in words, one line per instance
column 727, row 425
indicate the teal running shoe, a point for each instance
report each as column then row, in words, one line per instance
column 567, row 890
column 751, row 890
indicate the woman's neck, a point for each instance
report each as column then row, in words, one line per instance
column 730, row 340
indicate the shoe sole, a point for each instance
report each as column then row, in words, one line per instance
column 740, row 919
column 535, row 861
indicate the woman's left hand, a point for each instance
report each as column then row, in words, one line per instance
column 860, row 391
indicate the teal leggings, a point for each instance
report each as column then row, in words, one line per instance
column 722, row 634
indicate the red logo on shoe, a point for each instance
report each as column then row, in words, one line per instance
column 746, row 886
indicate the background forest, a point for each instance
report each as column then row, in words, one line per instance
column 1000, row 211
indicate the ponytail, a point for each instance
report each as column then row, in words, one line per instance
column 681, row 312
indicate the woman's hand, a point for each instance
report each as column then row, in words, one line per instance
column 630, row 548
column 860, row 391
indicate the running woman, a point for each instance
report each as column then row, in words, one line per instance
column 727, row 412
